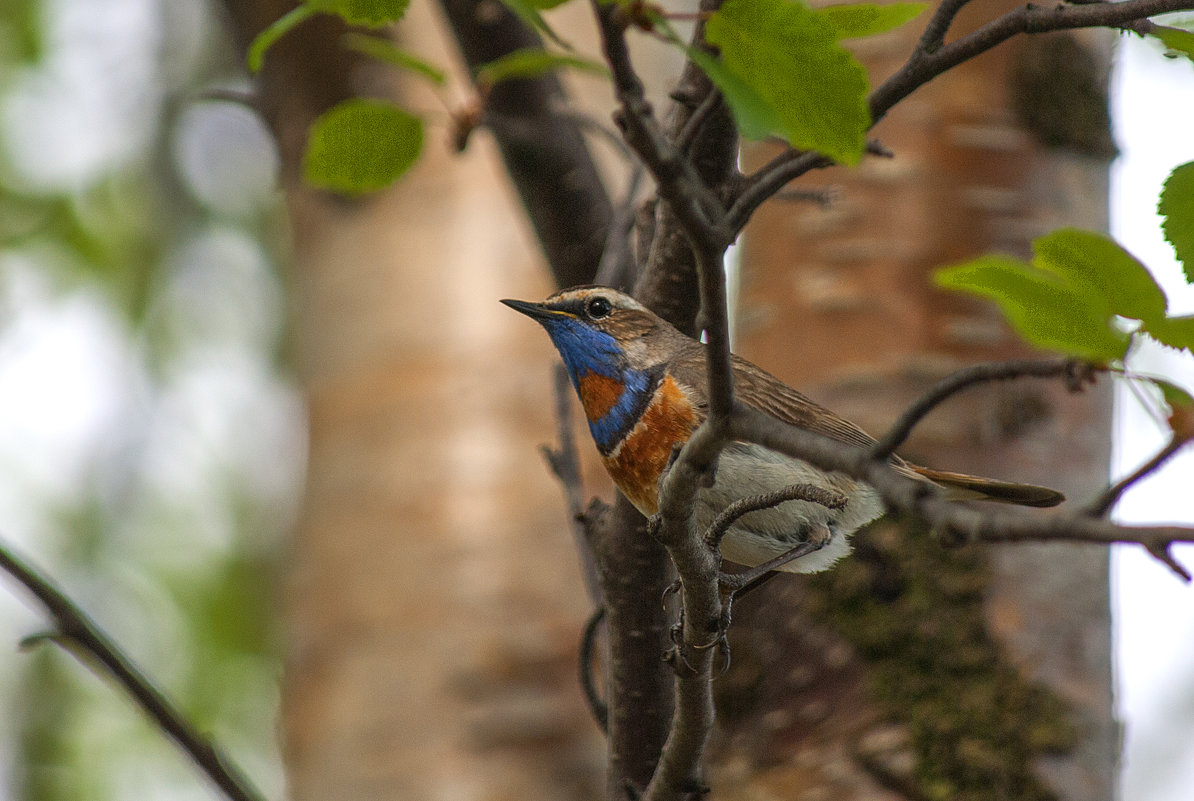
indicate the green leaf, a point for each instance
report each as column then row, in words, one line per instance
column 384, row 50
column 1177, row 397
column 361, row 146
column 264, row 40
column 1176, row 40
column 1177, row 209
column 868, row 19
column 369, row 13
column 1042, row 307
column 1110, row 277
column 791, row 60
column 532, row 62
column 755, row 116
column 1079, row 285
column 1176, row 332
column 528, row 12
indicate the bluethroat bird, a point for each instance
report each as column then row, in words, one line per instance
column 643, row 388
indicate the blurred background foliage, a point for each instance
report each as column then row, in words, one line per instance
column 151, row 442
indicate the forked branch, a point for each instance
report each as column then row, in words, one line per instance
column 73, row 625
column 933, row 57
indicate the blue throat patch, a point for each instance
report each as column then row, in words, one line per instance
column 586, row 350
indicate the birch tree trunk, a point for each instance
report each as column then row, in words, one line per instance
column 433, row 597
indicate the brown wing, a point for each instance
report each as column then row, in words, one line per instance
column 962, row 487
column 757, row 388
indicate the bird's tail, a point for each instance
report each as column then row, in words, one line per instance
column 966, row 488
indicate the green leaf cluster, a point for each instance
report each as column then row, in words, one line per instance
column 367, row 13
column 782, row 69
column 361, row 146
column 385, row 51
column 784, row 72
column 370, row 13
column 532, row 62
column 1075, row 296
column 529, row 12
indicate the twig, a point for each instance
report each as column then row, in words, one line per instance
column 1102, row 505
column 934, row 33
column 767, row 500
column 825, row 198
column 564, row 462
column 679, row 184
column 588, row 649
column 692, row 228
column 701, row 217
column 932, row 58
column 956, row 382
column 226, row 94
column 523, row 125
column 680, row 762
column 618, row 267
column 769, row 179
column 692, row 128
column 550, row 165
column 916, row 499
column 73, row 624
column 924, row 65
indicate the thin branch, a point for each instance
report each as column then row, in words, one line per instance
column 931, row 58
column 961, row 379
column 771, row 178
column 701, row 218
column 227, row 94
column 692, row 209
column 924, row 65
column 700, row 115
column 934, row 33
column 549, row 163
column 588, row 652
column 679, row 184
column 921, row 501
column 679, row 768
column 564, row 462
column 1017, row 526
column 74, row 625
column 767, row 500
column 618, row 267
column 1102, row 505
column 825, row 198
column 715, row 323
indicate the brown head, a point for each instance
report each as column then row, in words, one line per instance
column 599, row 329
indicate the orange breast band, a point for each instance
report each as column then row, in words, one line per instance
column 637, row 464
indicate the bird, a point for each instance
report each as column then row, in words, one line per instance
column 642, row 385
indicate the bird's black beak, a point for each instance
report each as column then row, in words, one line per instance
column 536, row 311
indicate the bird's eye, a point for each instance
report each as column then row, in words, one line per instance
column 597, row 308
